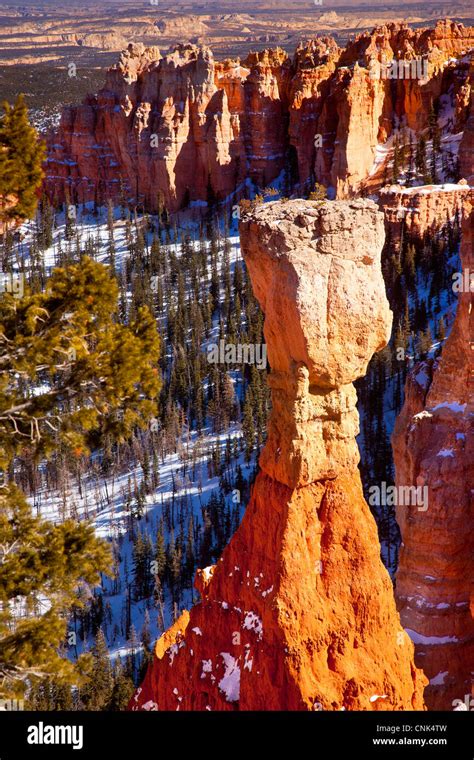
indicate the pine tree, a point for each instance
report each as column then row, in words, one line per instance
column 441, row 329
column 67, row 342
column 158, row 600
column 122, row 690
column 146, row 635
column 98, row 378
column 425, row 341
column 98, row 691
column 133, row 656
column 174, row 564
column 160, row 554
column 410, row 265
column 248, row 427
column 21, row 158
column 420, row 157
column 39, row 560
column 190, row 548
column 138, row 562
column 111, row 242
column 50, row 694
column 411, row 161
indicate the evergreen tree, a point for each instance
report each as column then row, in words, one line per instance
column 248, row 427
column 122, row 690
column 441, row 329
column 50, row 694
column 97, row 377
column 67, row 342
column 98, row 691
column 111, row 241
column 21, row 158
column 160, row 554
column 190, row 560
column 43, row 564
column 146, row 635
column 420, row 157
column 425, row 341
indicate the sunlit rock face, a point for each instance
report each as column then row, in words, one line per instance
column 180, row 127
column 422, row 211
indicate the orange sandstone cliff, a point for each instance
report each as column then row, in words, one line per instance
column 299, row 612
column 433, row 443
column 466, row 148
column 184, row 128
column 421, row 211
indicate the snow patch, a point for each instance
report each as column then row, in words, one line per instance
column 418, row 638
column 439, row 678
column 206, row 667
column 207, row 572
column 248, row 661
column 445, row 453
column 454, row 406
column 421, row 415
column 375, row 697
column 422, row 379
column 150, row 705
column 172, row 652
column 253, row 623
column 230, row 683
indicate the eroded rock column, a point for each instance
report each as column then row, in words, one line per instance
column 299, row 612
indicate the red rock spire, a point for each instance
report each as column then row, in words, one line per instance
column 299, row 612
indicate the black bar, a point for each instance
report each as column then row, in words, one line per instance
column 141, row 735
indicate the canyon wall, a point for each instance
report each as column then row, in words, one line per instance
column 466, row 148
column 179, row 128
column 421, row 211
column 299, row 612
column 433, row 443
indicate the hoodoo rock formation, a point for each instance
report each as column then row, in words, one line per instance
column 299, row 612
column 433, row 444
column 183, row 128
